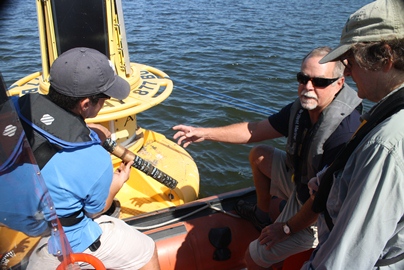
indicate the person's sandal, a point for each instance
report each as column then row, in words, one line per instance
column 246, row 210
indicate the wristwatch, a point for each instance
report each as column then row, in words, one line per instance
column 286, row 229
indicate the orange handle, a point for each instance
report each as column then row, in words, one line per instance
column 81, row 257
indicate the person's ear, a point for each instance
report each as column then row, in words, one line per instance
column 341, row 82
column 388, row 62
column 84, row 104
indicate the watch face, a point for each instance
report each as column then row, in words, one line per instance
column 286, row 229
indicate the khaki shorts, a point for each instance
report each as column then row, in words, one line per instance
column 122, row 247
column 283, row 187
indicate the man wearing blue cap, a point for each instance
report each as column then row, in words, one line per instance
column 361, row 194
column 77, row 170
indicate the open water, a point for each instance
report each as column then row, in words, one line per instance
column 249, row 50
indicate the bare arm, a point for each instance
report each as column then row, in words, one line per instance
column 236, row 133
column 274, row 234
column 121, row 175
column 304, row 218
column 102, row 132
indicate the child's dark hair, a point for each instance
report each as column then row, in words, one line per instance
column 69, row 103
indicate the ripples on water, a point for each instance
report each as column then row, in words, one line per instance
column 250, row 50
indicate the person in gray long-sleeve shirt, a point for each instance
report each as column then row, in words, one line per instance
column 365, row 205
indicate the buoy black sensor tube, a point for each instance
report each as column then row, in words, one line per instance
column 139, row 163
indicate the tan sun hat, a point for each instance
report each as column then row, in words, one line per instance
column 379, row 20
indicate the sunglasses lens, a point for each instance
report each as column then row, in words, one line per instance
column 317, row 82
column 303, row 79
column 320, row 82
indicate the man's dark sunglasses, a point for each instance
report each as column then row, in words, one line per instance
column 317, row 82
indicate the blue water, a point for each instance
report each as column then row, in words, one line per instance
column 249, row 50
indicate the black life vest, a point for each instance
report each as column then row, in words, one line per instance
column 49, row 128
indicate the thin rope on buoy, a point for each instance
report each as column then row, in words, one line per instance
column 229, row 100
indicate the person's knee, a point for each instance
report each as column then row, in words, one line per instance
column 261, row 158
column 261, row 153
column 153, row 264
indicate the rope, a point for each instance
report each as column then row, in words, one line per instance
column 208, row 205
column 228, row 99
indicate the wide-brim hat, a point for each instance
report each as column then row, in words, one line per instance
column 377, row 21
column 84, row 72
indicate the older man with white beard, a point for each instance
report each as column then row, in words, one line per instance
column 316, row 125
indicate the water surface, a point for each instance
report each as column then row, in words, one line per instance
column 250, row 50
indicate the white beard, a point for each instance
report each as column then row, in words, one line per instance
column 308, row 101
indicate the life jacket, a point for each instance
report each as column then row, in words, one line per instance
column 20, row 210
column 49, row 128
column 305, row 162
